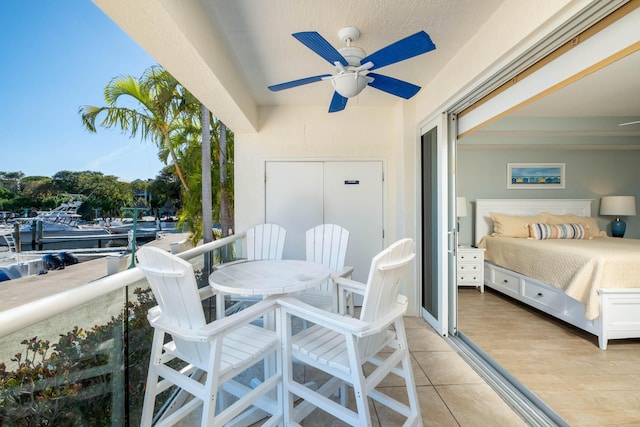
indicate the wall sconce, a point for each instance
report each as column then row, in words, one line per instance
column 618, row 206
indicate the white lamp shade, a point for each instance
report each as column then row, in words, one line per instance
column 618, row 205
column 349, row 84
column 461, row 207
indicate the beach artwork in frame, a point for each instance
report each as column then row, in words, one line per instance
column 542, row 176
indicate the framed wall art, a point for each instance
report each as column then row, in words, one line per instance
column 540, row 176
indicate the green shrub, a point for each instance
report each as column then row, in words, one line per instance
column 78, row 380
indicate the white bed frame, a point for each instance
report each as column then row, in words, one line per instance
column 619, row 307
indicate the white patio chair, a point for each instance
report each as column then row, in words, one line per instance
column 327, row 244
column 203, row 359
column 263, row 241
column 340, row 345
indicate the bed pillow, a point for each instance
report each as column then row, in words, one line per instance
column 513, row 225
column 558, row 231
column 590, row 223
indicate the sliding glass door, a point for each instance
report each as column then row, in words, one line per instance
column 436, row 238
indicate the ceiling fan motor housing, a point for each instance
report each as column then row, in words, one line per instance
column 352, row 54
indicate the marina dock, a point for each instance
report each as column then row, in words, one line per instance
column 26, row 289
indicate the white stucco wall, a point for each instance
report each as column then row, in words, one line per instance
column 311, row 133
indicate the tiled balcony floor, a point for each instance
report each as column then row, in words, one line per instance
column 451, row 393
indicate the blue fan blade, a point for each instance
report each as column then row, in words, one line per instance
column 319, row 45
column 393, row 86
column 338, row 103
column 300, row 82
column 406, row 48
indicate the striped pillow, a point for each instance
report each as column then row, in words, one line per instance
column 557, row 231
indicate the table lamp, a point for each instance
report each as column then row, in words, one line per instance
column 461, row 208
column 618, row 206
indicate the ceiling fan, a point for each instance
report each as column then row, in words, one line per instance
column 353, row 66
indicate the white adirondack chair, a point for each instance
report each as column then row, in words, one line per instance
column 263, row 241
column 327, row 244
column 203, row 359
column 340, row 345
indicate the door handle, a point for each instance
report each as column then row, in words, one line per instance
column 453, row 240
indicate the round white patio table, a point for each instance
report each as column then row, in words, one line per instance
column 268, row 277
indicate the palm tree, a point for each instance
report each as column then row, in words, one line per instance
column 160, row 105
column 184, row 130
column 217, row 159
column 226, row 185
column 207, row 202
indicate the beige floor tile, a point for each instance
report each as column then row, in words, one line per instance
column 589, row 408
column 412, row 322
column 320, row 418
column 433, row 410
column 446, row 368
column 478, row 405
column 391, row 380
column 426, row 339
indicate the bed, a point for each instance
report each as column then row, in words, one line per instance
column 585, row 279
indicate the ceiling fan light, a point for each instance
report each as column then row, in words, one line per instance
column 349, row 84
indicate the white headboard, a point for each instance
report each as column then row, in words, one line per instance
column 484, row 225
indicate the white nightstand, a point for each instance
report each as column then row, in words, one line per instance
column 470, row 267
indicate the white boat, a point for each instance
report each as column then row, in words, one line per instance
column 65, row 217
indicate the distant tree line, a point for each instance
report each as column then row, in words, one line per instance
column 103, row 195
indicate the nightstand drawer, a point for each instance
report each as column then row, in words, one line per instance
column 469, row 278
column 469, row 267
column 470, row 256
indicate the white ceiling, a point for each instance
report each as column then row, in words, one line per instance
column 258, row 33
column 594, row 105
column 613, row 91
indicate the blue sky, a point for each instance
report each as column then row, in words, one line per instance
column 56, row 56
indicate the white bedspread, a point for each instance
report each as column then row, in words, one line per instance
column 578, row 267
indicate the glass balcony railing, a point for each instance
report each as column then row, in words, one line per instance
column 80, row 358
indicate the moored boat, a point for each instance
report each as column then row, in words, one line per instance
column 64, row 217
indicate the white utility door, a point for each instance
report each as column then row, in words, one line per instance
column 294, row 200
column 353, row 199
column 300, row 195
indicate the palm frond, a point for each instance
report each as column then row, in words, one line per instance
column 88, row 114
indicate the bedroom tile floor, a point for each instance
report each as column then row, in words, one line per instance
column 561, row 364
